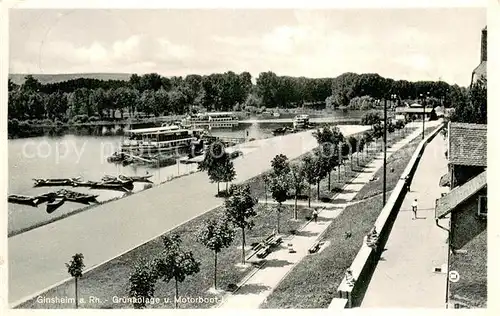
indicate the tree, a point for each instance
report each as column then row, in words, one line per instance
column 377, row 132
column 371, row 118
column 218, row 165
column 474, row 109
column 297, row 177
column 175, row 263
column 279, row 187
column 142, row 283
column 227, row 171
column 280, row 165
column 368, row 138
column 216, row 235
column 328, row 139
column 310, row 172
column 353, row 145
column 75, row 269
column 239, row 209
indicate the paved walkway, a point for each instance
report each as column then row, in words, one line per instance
column 404, row 277
column 37, row 257
column 258, row 286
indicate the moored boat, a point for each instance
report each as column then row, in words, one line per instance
column 111, row 186
column 54, row 182
column 54, row 204
column 78, row 197
column 23, row 199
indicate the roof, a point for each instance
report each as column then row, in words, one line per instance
column 415, row 105
column 479, row 72
column 412, row 110
column 455, row 197
column 467, row 144
column 215, row 113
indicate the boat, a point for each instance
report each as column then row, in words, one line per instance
column 80, row 183
column 54, row 182
column 155, row 146
column 301, row 122
column 282, row 131
column 78, row 197
column 211, row 120
column 124, row 181
column 23, row 199
column 55, row 204
column 111, row 186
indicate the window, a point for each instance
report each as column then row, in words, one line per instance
column 482, row 208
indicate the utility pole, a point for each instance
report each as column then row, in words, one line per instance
column 423, row 122
column 385, row 149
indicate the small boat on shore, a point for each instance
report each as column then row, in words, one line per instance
column 125, row 179
column 112, row 186
column 23, row 199
column 77, row 197
column 54, row 182
column 282, row 131
column 83, row 183
column 54, row 204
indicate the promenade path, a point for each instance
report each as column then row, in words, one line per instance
column 36, row 257
column 405, row 277
column 256, row 288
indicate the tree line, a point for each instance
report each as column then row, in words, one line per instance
column 85, row 99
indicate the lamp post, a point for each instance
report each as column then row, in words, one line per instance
column 385, row 149
column 423, row 115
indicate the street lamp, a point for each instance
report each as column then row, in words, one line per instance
column 423, row 115
column 385, row 149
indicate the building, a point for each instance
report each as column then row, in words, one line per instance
column 465, row 206
column 480, row 71
column 414, row 113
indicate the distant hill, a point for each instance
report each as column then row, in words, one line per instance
column 50, row 78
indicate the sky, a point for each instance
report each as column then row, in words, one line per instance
column 411, row 44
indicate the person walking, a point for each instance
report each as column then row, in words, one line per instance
column 414, row 206
column 315, row 215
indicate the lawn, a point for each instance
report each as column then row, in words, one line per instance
column 314, row 281
column 338, row 179
column 396, row 164
column 111, row 279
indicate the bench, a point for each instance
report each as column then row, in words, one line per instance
column 276, row 240
column 315, row 247
column 264, row 252
column 263, row 248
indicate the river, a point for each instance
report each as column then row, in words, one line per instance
column 84, row 154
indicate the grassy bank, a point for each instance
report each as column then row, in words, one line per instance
column 111, row 279
column 347, row 173
column 396, row 164
column 314, row 281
